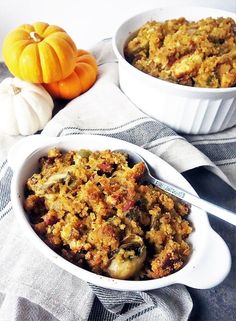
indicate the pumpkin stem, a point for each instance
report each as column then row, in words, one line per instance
column 35, row 36
column 15, row 90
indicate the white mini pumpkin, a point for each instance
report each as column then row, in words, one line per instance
column 25, row 108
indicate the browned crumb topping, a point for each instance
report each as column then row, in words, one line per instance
column 198, row 54
column 92, row 208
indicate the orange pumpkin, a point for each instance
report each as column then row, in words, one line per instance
column 39, row 53
column 81, row 79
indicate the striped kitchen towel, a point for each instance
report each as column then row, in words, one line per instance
column 32, row 288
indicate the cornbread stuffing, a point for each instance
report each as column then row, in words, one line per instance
column 198, row 54
column 94, row 210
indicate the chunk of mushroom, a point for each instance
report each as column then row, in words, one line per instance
column 56, row 178
column 128, row 260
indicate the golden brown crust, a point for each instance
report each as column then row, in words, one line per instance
column 199, row 54
column 92, row 207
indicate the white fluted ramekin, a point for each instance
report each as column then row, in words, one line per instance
column 209, row 251
column 189, row 110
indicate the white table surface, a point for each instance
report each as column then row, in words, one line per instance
column 87, row 21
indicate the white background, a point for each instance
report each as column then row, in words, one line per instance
column 86, row 21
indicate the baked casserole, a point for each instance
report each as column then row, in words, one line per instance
column 193, row 53
column 94, row 210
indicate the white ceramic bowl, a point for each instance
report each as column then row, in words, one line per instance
column 189, row 110
column 209, row 251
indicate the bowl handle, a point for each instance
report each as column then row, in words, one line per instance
column 24, row 147
column 215, row 266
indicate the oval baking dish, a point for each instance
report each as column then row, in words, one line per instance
column 208, row 248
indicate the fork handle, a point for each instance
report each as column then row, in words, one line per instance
column 216, row 210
